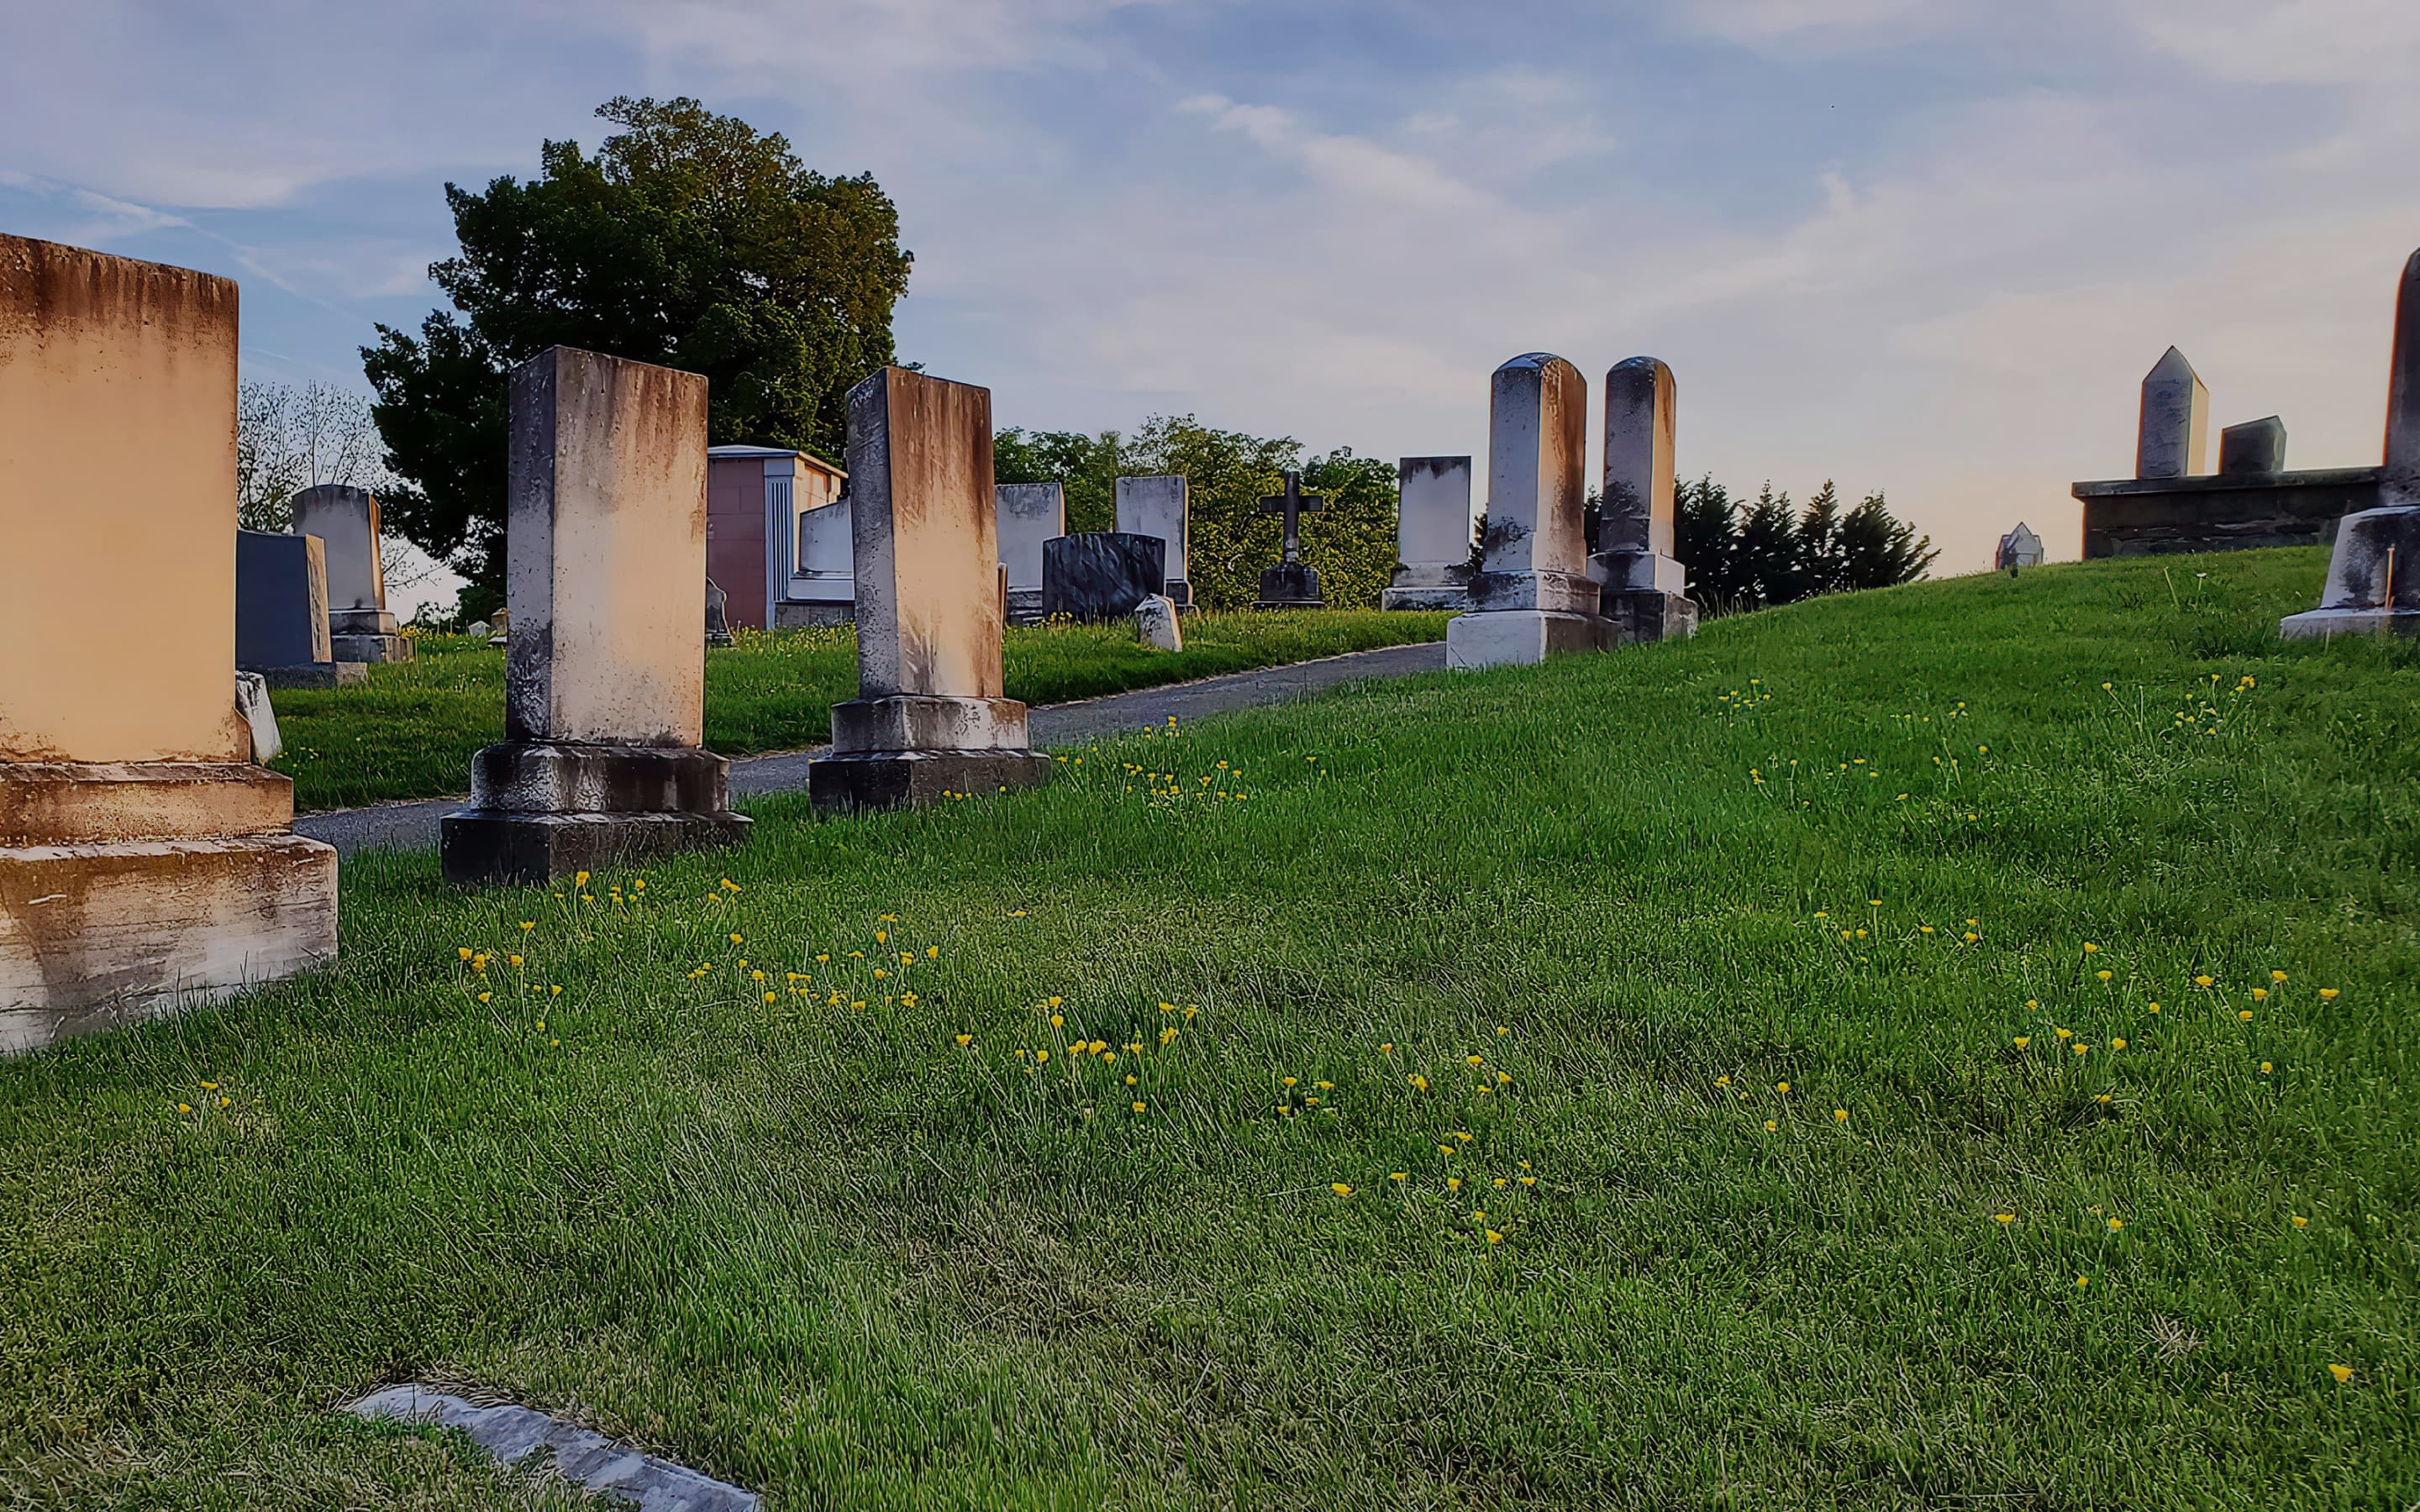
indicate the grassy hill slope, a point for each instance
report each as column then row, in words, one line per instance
column 1717, row 1074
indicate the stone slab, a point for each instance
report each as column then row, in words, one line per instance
column 2376, row 564
column 2152, row 517
column 1452, row 598
column 2327, row 624
column 345, row 520
column 94, row 937
column 539, row 776
column 92, row 803
column 117, row 383
column 1643, row 615
column 2172, row 436
column 1433, row 516
column 1289, row 585
column 281, row 601
column 2253, row 447
column 492, row 847
column 315, row 675
column 930, row 617
column 1560, row 593
column 1641, row 505
column 605, row 551
column 1537, row 436
column 913, row 722
column 259, row 715
column 1101, row 575
column 1028, row 514
column 1158, row 625
column 875, row 780
column 1639, row 572
column 369, row 648
column 600, row 1465
column 2401, row 483
column 1522, row 637
column 1160, row 506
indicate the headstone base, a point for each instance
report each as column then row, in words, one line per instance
column 878, row 780
column 1179, row 592
column 1025, row 606
column 129, row 890
column 1639, row 615
column 2322, row 624
column 541, row 809
column 369, row 648
column 1428, row 586
column 499, row 849
column 2373, row 578
column 799, row 614
column 1289, row 585
column 1504, row 638
column 315, row 675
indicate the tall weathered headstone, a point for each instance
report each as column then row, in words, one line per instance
column 930, row 718
column 1646, row 588
column 345, row 520
column 1159, row 506
column 1533, row 596
column 2175, row 422
column 824, row 584
column 2374, row 575
column 1432, row 534
column 2255, row 446
column 145, row 862
column 1030, row 514
column 601, row 763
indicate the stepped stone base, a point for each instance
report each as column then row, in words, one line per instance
column 1503, row 638
column 1289, row 585
column 338, row 674
column 2321, row 624
column 1640, row 615
column 369, row 648
column 877, row 780
column 542, row 809
column 1453, row 599
column 1025, row 606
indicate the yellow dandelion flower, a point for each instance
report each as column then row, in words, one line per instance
column 2082, row 1282
column 2118, row 1044
column 2023, row 1040
column 1399, row 1175
column 2204, row 981
column 1454, row 1183
column 2104, row 975
column 1782, row 1088
column 2301, row 1222
column 1839, row 1114
column 2277, row 976
column 1058, row 1021
column 2116, row 1226
column 1341, row 1189
column 2265, row 1068
column 1041, row 1055
column 2327, row 994
column 2065, row 1034
column 1495, row 1237
column 2082, row 1048
column 2342, row 1372
column 1771, row 1127
column 2006, row 1217
column 184, row 1108
column 965, row 1040
column 2243, row 1014
column 736, row 939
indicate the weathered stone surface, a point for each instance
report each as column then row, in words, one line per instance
column 930, row 718
column 2402, row 454
column 596, row 1462
column 259, row 715
column 1640, row 615
column 1159, row 506
column 2373, row 578
column 318, row 674
column 1432, row 541
column 2151, row 517
column 604, row 665
column 95, row 803
column 345, row 520
column 824, row 590
column 2255, row 446
column 2173, row 434
column 1030, row 514
column 605, row 552
column 1289, row 585
column 1159, row 624
column 281, row 601
column 1634, row 544
column 1519, row 637
column 2020, row 548
column 117, row 447
column 718, row 615
column 95, row 935
column 1101, row 575
column 1537, row 557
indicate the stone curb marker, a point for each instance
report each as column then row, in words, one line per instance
column 595, row 1462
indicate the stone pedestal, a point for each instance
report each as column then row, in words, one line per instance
column 930, row 718
column 1428, row 587
column 365, row 636
column 145, row 864
column 1289, row 585
column 1643, row 615
column 604, row 664
column 1645, row 587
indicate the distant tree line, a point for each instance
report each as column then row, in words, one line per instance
column 1763, row 553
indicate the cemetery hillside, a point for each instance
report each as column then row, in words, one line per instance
column 1940, row 1046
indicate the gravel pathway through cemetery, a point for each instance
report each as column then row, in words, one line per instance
column 413, row 826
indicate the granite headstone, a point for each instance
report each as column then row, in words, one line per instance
column 1100, row 574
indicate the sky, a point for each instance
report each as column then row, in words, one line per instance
column 1929, row 247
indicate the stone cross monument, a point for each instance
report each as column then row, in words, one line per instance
column 345, row 520
column 2374, row 575
column 601, row 763
column 1432, row 534
column 930, row 718
column 2175, row 422
column 1291, row 584
column 146, row 863
column 1646, row 588
column 1533, row 596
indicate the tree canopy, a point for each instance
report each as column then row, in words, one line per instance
column 689, row 239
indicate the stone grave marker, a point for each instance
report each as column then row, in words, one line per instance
column 2174, row 428
column 1533, row 596
column 146, row 863
column 2255, row 446
column 1101, row 575
column 1291, row 584
column 1156, row 623
column 345, row 520
column 281, row 612
column 601, row 762
column 1159, row 506
column 1432, row 534
column 2020, row 548
column 1646, row 588
column 1029, row 515
column 2374, row 573
column 718, row 615
column 930, row 718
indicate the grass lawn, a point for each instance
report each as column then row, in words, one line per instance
column 411, row 731
column 1722, row 1074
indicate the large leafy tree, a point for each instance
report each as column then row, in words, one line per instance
column 689, row 239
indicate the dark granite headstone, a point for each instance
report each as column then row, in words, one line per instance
column 281, row 601
column 1101, row 575
column 1289, row 585
column 2255, row 446
column 718, row 615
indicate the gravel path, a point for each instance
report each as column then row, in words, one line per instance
column 413, row 826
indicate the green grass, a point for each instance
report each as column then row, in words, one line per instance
column 411, row 732
column 828, row 1252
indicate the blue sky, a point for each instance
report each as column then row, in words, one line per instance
column 1924, row 245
